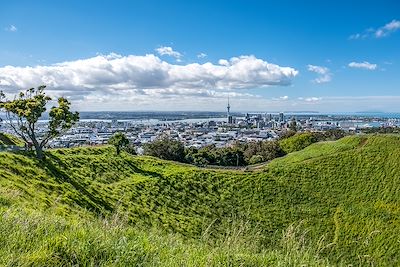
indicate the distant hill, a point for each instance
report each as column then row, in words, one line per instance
column 332, row 203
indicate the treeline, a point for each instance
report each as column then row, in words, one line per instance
column 238, row 154
column 381, row 130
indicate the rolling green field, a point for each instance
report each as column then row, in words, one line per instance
column 332, row 203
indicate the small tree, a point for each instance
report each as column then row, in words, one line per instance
column 293, row 125
column 24, row 111
column 271, row 150
column 229, row 156
column 119, row 141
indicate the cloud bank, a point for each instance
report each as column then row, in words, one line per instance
column 110, row 77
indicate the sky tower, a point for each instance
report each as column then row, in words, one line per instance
column 228, row 107
column 229, row 116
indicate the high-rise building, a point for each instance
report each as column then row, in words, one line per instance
column 281, row 117
column 230, row 119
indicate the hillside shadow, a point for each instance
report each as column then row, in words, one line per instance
column 6, row 140
column 144, row 172
column 55, row 167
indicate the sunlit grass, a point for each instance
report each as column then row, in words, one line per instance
column 37, row 239
column 343, row 194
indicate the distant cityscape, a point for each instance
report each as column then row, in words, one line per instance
column 199, row 129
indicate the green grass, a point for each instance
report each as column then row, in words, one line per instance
column 343, row 196
column 38, row 240
column 10, row 140
column 297, row 142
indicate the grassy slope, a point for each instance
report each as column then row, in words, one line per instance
column 34, row 239
column 356, row 191
column 344, row 193
column 8, row 139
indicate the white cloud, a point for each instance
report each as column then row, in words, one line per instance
column 312, row 99
column 324, row 74
column 202, row 55
column 389, row 28
column 363, row 65
column 224, row 62
column 281, row 98
column 145, row 79
column 383, row 31
column 11, row 28
column 359, row 36
column 356, row 36
column 167, row 50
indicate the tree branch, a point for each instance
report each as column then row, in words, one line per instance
column 20, row 134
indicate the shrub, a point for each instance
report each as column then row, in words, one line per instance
column 268, row 150
column 165, row 148
column 256, row 159
column 130, row 149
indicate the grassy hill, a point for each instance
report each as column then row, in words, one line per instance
column 9, row 140
column 333, row 203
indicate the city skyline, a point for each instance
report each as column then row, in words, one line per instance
column 264, row 56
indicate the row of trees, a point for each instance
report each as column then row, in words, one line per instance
column 25, row 110
column 238, row 154
column 170, row 149
column 382, row 130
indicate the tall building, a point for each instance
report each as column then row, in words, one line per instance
column 230, row 119
column 281, row 117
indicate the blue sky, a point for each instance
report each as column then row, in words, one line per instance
column 328, row 56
